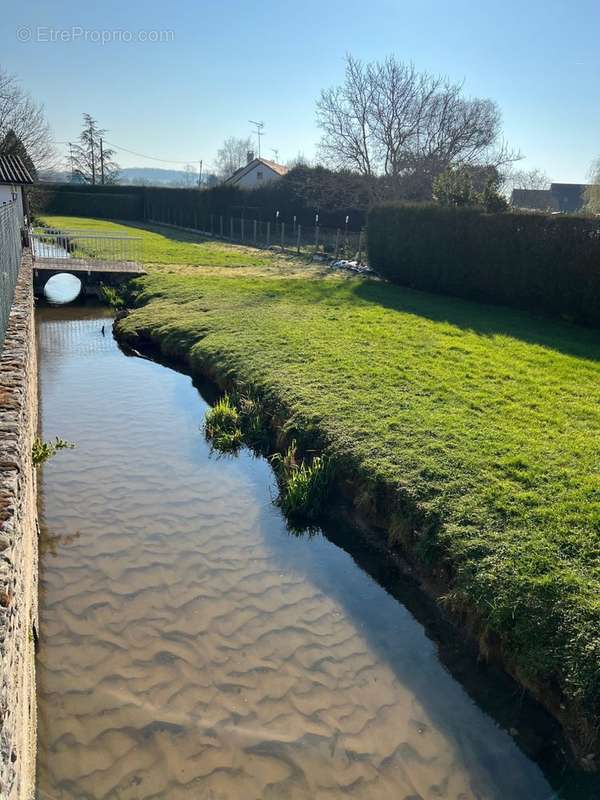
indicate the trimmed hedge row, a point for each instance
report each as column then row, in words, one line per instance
column 544, row 264
column 109, row 204
column 187, row 207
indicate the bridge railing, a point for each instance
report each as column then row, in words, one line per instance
column 10, row 260
column 85, row 246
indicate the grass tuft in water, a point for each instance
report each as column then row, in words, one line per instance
column 113, row 297
column 41, row 451
column 252, row 413
column 222, row 426
column 303, row 487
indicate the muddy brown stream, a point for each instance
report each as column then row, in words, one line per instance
column 191, row 647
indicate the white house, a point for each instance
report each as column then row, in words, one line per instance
column 257, row 172
column 13, row 177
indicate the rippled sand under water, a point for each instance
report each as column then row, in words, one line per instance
column 192, row 648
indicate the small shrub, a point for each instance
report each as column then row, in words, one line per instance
column 41, row 451
column 222, row 425
column 454, row 188
column 304, row 488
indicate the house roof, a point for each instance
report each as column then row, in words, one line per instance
column 279, row 169
column 535, row 199
column 13, row 170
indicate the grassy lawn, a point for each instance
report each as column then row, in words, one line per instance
column 483, row 424
column 166, row 246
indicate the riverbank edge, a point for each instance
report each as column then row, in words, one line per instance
column 377, row 514
column 18, row 544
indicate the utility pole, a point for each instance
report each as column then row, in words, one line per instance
column 71, row 159
column 200, row 175
column 93, row 160
column 275, row 152
column 258, row 131
column 101, row 162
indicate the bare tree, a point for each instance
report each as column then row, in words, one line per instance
column 526, row 179
column 232, row 156
column 20, row 114
column 389, row 119
column 299, row 160
column 89, row 158
column 189, row 177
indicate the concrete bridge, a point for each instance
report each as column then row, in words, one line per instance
column 92, row 275
column 95, row 258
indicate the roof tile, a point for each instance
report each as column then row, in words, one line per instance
column 13, row 170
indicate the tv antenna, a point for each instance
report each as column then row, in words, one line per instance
column 258, row 131
column 275, row 152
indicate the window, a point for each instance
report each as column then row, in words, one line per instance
column 259, row 175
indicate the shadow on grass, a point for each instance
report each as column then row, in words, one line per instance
column 485, row 320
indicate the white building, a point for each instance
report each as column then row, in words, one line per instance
column 256, row 173
column 13, row 177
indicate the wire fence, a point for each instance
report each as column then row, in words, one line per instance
column 10, row 260
column 290, row 236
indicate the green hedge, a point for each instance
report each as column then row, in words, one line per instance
column 102, row 202
column 545, row 264
column 185, row 207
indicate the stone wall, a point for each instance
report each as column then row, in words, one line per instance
column 18, row 546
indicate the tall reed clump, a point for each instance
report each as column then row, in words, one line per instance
column 304, row 488
column 222, row 425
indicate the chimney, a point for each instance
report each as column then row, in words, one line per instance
column 249, row 156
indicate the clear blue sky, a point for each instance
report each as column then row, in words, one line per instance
column 232, row 61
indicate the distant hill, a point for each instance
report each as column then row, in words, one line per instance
column 147, row 176
column 155, row 176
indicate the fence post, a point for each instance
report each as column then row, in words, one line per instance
column 211, row 224
column 268, row 233
column 282, row 235
column 360, row 245
column 221, row 225
column 298, row 240
column 242, row 229
column 337, row 243
column 316, row 238
column 254, row 232
column 231, row 228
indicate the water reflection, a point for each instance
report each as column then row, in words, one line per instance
column 192, row 648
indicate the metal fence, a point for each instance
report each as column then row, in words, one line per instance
column 10, row 260
column 83, row 246
column 289, row 236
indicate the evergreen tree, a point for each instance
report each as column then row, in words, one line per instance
column 89, row 159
